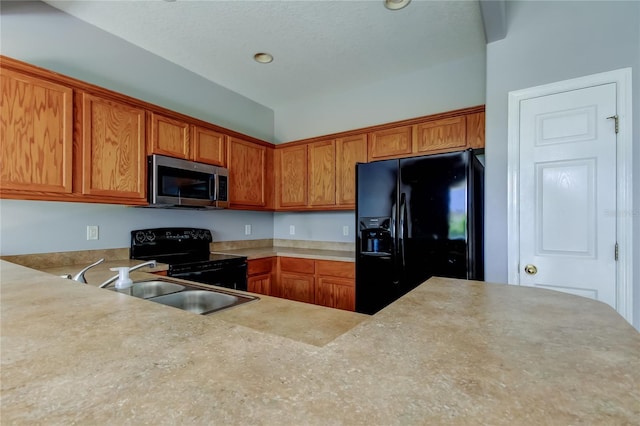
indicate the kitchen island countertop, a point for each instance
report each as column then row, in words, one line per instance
column 450, row 351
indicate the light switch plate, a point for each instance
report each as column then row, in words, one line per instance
column 92, row 232
column 292, row 230
column 247, row 230
column 345, row 231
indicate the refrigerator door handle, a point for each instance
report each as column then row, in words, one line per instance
column 392, row 227
column 403, row 218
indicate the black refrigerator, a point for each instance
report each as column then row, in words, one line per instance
column 416, row 218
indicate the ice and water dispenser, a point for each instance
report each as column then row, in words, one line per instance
column 376, row 236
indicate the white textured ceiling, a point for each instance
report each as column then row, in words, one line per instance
column 319, row 46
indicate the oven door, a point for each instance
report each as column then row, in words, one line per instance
column 232, row 276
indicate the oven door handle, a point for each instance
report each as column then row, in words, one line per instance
column 182, row 274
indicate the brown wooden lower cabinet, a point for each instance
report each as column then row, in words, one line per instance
column 296, row 280
column 297, row 287
column 260, row 275
column 335, row 293
column 321, row 282
column 335, row 284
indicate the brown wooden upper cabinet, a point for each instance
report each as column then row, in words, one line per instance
column 322, row 173
column 428, row 136
column 177, row 138
column 349, row 151
column 36, row 131
column 475, row 130
column 292, row 176
column 113, row 149
column 441, row 135
column 391, row 143
column 209, row 146
column 169, row 136
column 250, row 174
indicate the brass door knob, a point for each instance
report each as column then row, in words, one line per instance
column 530, row 269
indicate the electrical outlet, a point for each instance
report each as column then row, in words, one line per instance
column 247, row 230
column 292, row 230
column 92, row 232
column 345, row 231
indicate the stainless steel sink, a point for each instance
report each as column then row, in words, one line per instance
column 154, row 288
column 192, row 299
column 202, row 301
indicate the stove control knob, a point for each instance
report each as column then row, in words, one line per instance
column 150, row 236
column 140, row 237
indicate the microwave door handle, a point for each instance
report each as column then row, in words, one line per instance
column 212, row 187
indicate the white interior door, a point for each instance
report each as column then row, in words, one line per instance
column 567, row 192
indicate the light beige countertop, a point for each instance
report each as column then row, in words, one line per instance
column 306, row 253
column 449, row 352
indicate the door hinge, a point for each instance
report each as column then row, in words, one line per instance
column 616, row 118
column 617, row 252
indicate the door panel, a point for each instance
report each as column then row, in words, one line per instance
column 568, row 192
column 565, row 217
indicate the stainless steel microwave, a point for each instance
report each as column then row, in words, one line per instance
column 176, row 183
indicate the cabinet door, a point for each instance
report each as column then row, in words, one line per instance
column 336, row 293
column 475, row 130
column 208, row 146
column 247, row 171
column 294, row 286
column 298, row 265
column 169, row 136
column 260, row 266
column 391, row 143
column 113, row 146
column 35, row 134
column 261, row 275
column 259, row 284
column 447, row 134
column 349, row 151
column 322, row 173
column 292, row 176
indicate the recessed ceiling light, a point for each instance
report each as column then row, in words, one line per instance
column 263, row 58
column 396, row 4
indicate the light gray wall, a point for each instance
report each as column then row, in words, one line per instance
column 548, row 42
column 44, row 227
column 444, row 87
column 39, row 34
column 315, row 226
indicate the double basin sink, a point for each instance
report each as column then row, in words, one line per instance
column 192, row 299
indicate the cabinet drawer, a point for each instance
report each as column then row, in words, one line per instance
column 294, row 264
column 336, row 269
column 259, row 266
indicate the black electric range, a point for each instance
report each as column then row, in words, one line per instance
column 186, row 251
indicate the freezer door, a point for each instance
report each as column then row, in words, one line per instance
column 434, row 213
column 377, row 275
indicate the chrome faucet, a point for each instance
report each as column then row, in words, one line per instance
column 151, row 263
column 80, row 275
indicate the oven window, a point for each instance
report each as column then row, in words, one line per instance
column 184, row 183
